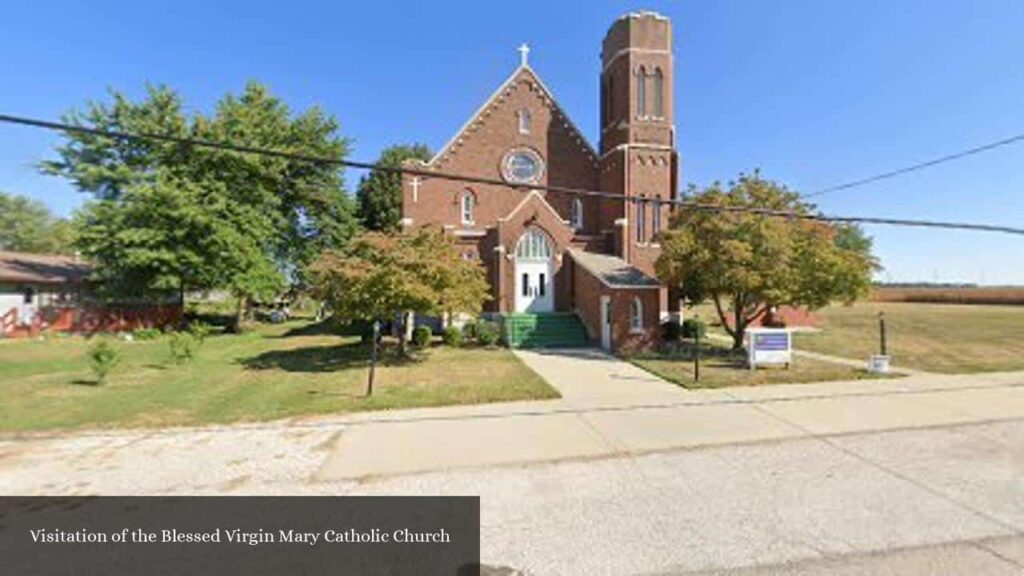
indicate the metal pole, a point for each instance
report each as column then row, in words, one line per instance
column 881, row 333
column 696, row 354
column 373, row 356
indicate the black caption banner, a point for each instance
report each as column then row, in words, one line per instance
column 254, row 536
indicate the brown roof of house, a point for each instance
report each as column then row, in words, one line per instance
column 41, row 268
column 613, row 271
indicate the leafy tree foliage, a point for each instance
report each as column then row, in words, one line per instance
column 26, row 225
column 746, row 263
column 381, row 276
column 166, row 217
column 379, row 195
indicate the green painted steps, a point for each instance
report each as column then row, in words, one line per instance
column 551, row 330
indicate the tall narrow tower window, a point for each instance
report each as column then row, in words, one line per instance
column 524, row 121
column 659, row 94
column 641, row 224
column 655, row 219
column 641, row 92
column 611, row 100
column 576, row 217
column 467, row 203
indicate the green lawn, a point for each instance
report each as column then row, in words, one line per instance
column 950, row 338
column 721, row 367
column 274, row 372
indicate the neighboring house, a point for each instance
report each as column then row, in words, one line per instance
column 548, row 252
column 49, row 292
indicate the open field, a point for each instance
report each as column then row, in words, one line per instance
column 933, row 337
column 274, row 372
column 1010, row 296
column 721, row 367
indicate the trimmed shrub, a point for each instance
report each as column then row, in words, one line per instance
column 103, row 357
column 183, row 347
column 421, row 336
column 146, row 333
column 671, row 331
column 487, row 333
column 452, row 336
column 694, row 328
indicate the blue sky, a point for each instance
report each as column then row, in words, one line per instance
column 814, row 93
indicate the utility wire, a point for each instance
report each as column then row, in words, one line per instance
column 688, row 204
column 916, row 167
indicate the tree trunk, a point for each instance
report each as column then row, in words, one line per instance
column 408, row 323
column 240, row 312
column 740, row 328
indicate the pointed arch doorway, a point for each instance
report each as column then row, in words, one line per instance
column 533, row 270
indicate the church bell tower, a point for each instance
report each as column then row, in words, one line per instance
column 638, row 155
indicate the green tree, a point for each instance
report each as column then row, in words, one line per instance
column 167, row 217
column 379, row 195
column 382, row 276
column 746, row 263
column 27, row 225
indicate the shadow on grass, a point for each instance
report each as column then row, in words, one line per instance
column 83, row 382
column 328, row 358
column 710, row 355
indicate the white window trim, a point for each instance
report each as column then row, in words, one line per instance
column 576, row 214
column 636, row 316
column 523, row 119
column 467, row 196
column 506, row 165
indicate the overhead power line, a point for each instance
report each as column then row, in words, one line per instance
column 916, row 167
column 687, row 204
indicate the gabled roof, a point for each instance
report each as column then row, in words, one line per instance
column 613, row 271
column 547, row 97
column 41, row 268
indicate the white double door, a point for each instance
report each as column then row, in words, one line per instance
column 534, row 286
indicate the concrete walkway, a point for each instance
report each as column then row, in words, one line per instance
column 862, row 364
column 609, row 408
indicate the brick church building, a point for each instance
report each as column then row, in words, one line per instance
column 554, row 253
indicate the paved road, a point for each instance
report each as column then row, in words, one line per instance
column 626, row 475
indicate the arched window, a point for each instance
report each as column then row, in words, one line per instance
column 534, row 244
column 524, row 121
column 659, row 94
column 641, row 223
column 467, row 204
column 576, row 216
column 641, row 92
column 636, row 315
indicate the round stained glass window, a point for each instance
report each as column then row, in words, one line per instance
column 523, row 166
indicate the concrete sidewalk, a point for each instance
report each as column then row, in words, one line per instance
column 612, row 408
column 609, row 408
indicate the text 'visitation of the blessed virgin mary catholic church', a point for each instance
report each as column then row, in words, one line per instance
column 550, row 252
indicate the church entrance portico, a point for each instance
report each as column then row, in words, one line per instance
column 533, row 273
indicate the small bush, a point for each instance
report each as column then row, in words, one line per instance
column 103, row 357
column 487, row 333
column 200, row 330
column 694, row 328
column 146, row 333
column 421, row 336
column 671, row 331
column 183, row 347
column 452, row 336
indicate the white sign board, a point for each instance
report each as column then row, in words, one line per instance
column 769, row 346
